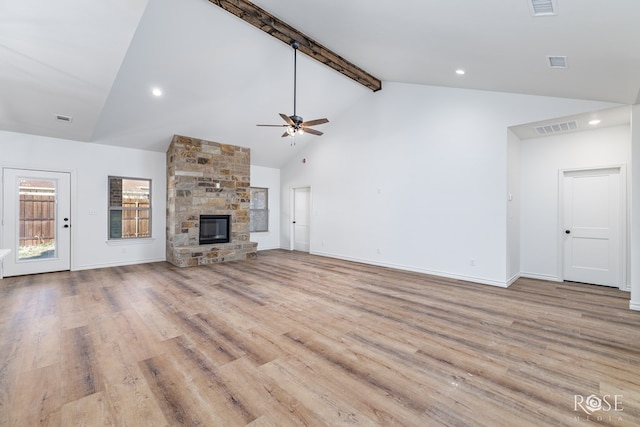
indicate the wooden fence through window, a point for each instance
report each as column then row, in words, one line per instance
column 135, row 222
column 37, row 219
column 38, row 213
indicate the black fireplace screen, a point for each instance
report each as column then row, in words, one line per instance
column 214, row 229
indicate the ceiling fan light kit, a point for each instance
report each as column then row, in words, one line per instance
column 295, row 124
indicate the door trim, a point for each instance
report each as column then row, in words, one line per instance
column 624, row 242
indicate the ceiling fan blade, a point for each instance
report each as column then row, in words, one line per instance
column 274, row 126
column 285, row 134
column 315, row 122
column 312, row 131
column 287, row 119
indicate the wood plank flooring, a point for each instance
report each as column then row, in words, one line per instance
column 292, row 339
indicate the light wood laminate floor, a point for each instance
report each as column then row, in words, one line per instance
column 294, row 339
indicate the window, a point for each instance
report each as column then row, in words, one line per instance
column 129, row 208
column 259, row 213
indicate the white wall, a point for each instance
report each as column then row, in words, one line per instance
column 513, row 207
column 541, row 161
column 90, row 165
column 268, row 178
column 635, row 209
column 415, row 177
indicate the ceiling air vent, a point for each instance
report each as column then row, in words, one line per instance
column 557, row 128
column 557, row 61
column 543, row 7
column 62, row 118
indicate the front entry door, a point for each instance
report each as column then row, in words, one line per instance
column 36, row 221
column 592, row 226
column 301, row 219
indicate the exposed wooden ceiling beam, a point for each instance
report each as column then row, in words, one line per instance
column 268, row 23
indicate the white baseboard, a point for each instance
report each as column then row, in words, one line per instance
column 513, row 279
column 540, row 277
column 473, row 279
column 116, row 264
column 268, row 248
column 634, row 305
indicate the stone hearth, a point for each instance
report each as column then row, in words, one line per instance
column 207, row 178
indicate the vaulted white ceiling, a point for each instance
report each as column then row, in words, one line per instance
column 96, row 62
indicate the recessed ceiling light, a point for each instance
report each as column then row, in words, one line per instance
column 156, row 91
column 460, row 71
column 594, row 122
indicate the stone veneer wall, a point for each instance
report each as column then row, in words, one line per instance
column 194, row 166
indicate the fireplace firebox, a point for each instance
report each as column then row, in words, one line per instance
column 214, row 229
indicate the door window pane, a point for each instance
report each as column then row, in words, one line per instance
column 37, row 219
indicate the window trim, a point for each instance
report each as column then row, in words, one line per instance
column 122, row 209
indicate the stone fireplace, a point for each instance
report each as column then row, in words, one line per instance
column 210, row 181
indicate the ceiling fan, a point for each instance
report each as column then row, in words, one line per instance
column 295, row 124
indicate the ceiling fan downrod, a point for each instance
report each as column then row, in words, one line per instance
column 295, row 45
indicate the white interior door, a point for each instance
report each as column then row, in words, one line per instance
column 301, row 218
column 593, row 226
column 36, row 207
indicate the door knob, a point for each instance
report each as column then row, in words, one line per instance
column 567, row 231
